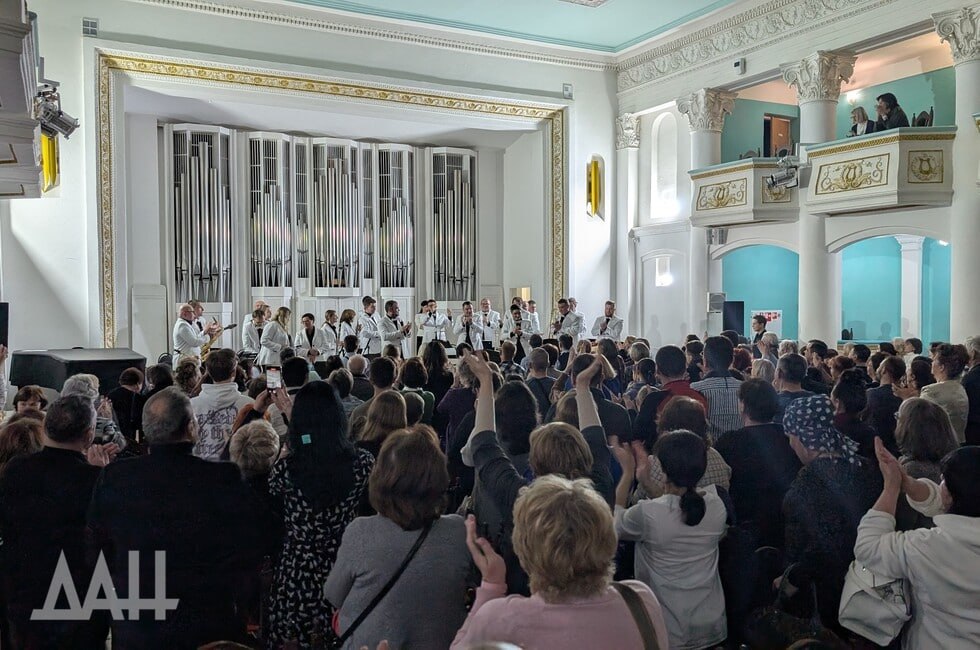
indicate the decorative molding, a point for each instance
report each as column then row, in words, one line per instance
column 877, row 142
column 752, row 30
column 627, row 131
column 818, row 77
column 585, row 62
column 656, row 229
column 780, row 194
column 706, row 108
column 716, row 196
column 851, row 175
column 925, row 166
column 587, row 3
column 910, row 242
column 111, row 66
column 961, row 29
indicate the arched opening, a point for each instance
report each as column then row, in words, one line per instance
column 663, row 169
column 765, row 278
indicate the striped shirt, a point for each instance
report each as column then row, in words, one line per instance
column 722, row 395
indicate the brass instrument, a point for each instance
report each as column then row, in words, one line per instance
column 217, row 335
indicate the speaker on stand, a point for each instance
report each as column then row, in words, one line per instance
column 716, row 304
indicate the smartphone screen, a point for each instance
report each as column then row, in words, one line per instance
column 273, row 378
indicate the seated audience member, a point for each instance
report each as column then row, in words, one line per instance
column 882, row 402
column 861, row 355
column 565, row 540
column 672, row 374
column 29, row 398
column 381, row 373
column 732, row 336
column 508, row 363
column 637, row 351
column 552, row 351
column 764, row 369
column 874, row 363
column 719, row 388
column 361, row 388
column 762, row 463
column 319, row 485
column 158, row 377
column 412, row 377
column 838, row 365
column 741, row 362
column 414, row 409
column 694, row 349
column 538, row 380
column 615, row 419
column 948, row 391
column 440, row 379
column 860, row 124
column 850, row 400
column 768, row 347
column 818, row 379
column 924, row 436
column 824, row 503
column 457, row 403
column 918, row 376
column 127, row 402
column 386, row 414
column 888, row 348
column 171, row 501
column 941, row 564
column 87, row 386
column 913, row 349
column 21, row 438
column 216, row 408
column 343, row 381
column 790, row 375
column 425, row 607
column 788, row 346
column 971, row 384
column 565, row 343
column 677, row 537
column 393, row 352
column 644, row 373
column 351, row 347
column 616, row 384
column 187, row 376
column 890, row 114
column 44, row 498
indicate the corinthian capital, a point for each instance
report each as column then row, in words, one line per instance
column 627, row 131
column 706, row 108
column 961, row 29
column 819, row 76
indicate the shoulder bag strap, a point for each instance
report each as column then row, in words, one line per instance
column 384, row 590
column 640, row 616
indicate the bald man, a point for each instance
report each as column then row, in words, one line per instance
column 187, row 339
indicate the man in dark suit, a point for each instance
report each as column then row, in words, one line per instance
column 971, row 382
column 759, row 323
column 199, row 513
column 43, row 501
column 890, row 114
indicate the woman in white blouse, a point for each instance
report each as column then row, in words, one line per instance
column 275, row 338
column 677, row 538
column 942, row 564
column 334, row 342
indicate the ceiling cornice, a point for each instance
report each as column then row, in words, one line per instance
column 368, row 28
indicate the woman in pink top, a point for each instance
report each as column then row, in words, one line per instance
column 564, row 539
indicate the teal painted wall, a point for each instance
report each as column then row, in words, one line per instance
column 871, row 288
column 915, row 94
column 764, row 277
column 935, row 291
column 744, row 128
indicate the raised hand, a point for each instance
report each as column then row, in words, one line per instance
column 584, row 379
column 488, row 561
column 281, row 399
column 624, row 456
column 891, row 469
column 479, row 368
column 641, row 459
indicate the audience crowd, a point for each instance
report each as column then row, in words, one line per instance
column 716, row 494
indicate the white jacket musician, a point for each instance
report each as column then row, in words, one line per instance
column 304, row 342
column 469, row 327
column 518, row 332
column 571, row 324
column 371, row 342
column 608, row 327
column 333, row 340
column 274, row 340
column 436, row 326
column 251, row 337
column 187, row 339
column 397, row 332
column 490, row 323
column 534, row 323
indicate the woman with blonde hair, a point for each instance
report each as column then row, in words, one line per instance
column 764, row 369
column 565, row 540
column 348, row 325
column 334, row 340
column 860, row 124
column 275, row 339
column 386, row 414
column 925, row 436
column 187, row 377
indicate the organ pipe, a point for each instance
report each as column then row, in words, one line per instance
column 454, row 225
column 336, row 216
column 271, row 237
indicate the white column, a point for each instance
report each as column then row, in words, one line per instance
column 961, row 29
column 911, row 285
column 817, row 80
column 705, row 110
column 627, row 195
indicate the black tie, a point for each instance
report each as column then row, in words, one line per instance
column 200, row 328
column 468, row 341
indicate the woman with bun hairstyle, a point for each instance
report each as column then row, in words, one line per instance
column 677, row 538
column 850, row 399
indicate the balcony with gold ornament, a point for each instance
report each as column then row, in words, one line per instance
column 896, row 169
column 736, row 193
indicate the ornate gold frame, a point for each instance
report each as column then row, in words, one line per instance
column 108, row 63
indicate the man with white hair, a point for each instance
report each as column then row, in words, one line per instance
column 187, row 339
column 582, row 329
column 971, row 383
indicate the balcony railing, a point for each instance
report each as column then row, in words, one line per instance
column 736, row 193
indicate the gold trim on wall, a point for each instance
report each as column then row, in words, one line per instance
column 781, row 194
column 925, row 166
column 877, row 142
column 851, row 175
column 553, row 118
column 727, row 194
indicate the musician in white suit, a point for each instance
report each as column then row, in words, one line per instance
column 568, row 322
column 275, row 338
column 436, row 326
column 490, row 323
column 257, row 305
column 467, row 327
column 609, row 325
column 517, row 332
column 187, row 339
column 310, row 342
column 582, row 327
column 252, row 332
column 532, row 313
column 331, row 333
column 370, row 335
column 396, row 331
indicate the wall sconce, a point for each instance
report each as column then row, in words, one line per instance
column 853, row 97
column 50, row 164
column 593, row 187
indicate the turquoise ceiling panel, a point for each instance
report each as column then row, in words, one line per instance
column 611, row 27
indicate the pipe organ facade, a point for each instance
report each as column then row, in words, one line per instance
column 315, row 221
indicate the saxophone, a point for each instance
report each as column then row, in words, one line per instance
column 214, row 337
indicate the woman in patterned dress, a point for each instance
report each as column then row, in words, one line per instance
column 320, row 484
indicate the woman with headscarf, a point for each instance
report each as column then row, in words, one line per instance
column 825, row 502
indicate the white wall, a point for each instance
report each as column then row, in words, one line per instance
column 59, row 236
column 524, row 245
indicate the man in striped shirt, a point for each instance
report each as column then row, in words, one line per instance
column 719, row 387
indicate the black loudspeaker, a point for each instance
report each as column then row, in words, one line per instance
column 733, row 316
column 4, row 323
